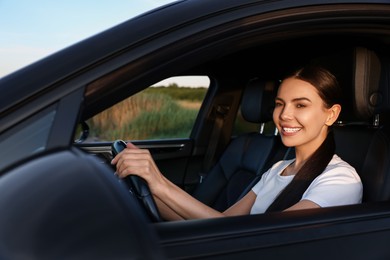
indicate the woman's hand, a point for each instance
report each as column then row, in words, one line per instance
column 136, row 161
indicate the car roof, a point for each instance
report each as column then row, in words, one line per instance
column 154, row 31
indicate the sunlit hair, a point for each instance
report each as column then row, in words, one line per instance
column 329, row 91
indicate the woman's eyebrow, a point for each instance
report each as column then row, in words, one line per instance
column 294, row 100
column 301, row 99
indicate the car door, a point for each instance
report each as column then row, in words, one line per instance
column 349, row 232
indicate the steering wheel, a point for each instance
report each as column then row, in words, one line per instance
column 138, row 187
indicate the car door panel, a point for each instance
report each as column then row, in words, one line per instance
column 326, row 233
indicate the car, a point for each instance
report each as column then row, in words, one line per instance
column 60, row 124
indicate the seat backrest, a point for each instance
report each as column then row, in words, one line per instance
column 367, row 150
column 365, row 142
column 248, row 155
column 68, row 205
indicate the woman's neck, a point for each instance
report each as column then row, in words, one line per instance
column 293, row 168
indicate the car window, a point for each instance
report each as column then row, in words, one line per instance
column 166, row 110
column 26, row 138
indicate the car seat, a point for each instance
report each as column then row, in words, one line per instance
column 364, row 141
column 246, row 156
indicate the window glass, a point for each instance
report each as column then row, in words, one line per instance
column 26, row 138
column 166, row 110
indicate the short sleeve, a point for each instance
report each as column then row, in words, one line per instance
column 338, row 185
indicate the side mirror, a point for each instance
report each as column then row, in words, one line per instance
column 82, row 132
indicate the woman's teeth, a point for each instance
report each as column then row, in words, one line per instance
column 291, row 130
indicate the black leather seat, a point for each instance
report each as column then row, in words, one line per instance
column 68, row 205
column 248, row 155
column 364, row 142
column 368, row 150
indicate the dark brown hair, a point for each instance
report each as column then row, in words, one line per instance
column 329, row 91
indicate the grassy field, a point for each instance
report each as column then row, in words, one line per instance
column 159, row 112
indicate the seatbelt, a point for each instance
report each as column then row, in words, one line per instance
column 220, row 112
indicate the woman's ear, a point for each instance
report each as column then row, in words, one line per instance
column 333, row 114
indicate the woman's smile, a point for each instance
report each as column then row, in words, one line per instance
column 290, row 130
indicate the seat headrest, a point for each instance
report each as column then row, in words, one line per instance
column 363, row 79
column 370, row 83
column 258, row 100
column 366, row 72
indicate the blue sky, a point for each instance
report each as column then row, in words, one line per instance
column 33, row 29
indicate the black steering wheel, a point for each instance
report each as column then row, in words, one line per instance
column 138, row 187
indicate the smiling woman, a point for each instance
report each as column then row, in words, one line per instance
column 32, row 30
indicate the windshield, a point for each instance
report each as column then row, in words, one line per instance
column 31, row 30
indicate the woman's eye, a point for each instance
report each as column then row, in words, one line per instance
column 300, row 106
column 278, row 104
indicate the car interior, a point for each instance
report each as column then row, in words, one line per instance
column 360, row 133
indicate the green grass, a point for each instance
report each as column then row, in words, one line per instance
column 152, row 114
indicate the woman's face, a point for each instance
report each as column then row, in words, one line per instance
column 301, row 116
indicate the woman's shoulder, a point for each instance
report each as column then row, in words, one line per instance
column 338, row 166
column 337, row 161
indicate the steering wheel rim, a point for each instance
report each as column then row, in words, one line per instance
column 138, row 187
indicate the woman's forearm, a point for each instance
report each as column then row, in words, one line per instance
column 181, row 203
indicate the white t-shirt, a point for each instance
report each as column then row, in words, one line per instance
column 339, row 184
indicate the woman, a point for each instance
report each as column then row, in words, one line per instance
column 306, row 106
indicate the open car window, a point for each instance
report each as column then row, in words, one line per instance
column 166, row 110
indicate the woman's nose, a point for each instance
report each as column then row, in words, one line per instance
column 285, row 113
